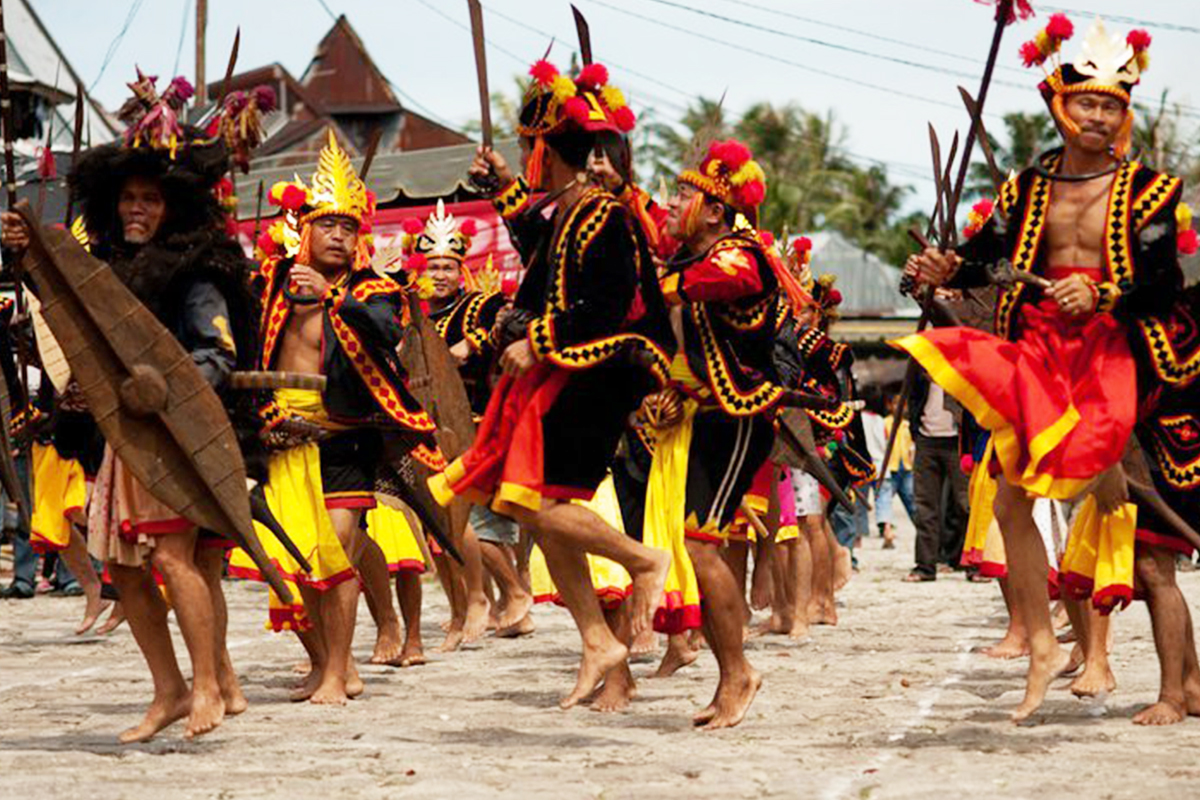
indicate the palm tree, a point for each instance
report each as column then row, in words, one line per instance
column 1028, row 136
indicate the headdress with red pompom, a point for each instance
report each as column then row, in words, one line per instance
column 1186, row 237
column 729, row 173
column 1106, row 64
column 978, row 216
column 335, row 191
column 827, row 298
column 239, row 122
column 557, row 103
column 153, row 119
column 440, row 236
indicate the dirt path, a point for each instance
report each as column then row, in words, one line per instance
column 891, row 704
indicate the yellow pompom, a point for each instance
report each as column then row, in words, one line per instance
column 750, row 171
column 276, row 192
column 613, row 97
column 563, row 88
column 1183, row 217
column 1143, row 61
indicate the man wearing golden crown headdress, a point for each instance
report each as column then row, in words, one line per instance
column 328, row 313
column 582, row 346
column 1075, row 366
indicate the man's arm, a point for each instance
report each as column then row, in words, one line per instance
column 206, row 333
column 727, row 273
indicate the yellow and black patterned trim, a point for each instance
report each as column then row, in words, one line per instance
column 836, row 419
column 1118, row 251
column 1180, row 474
column 541, row 336
column 1010, row 191
column 444, row 320
column 1168, row 364
column 513, row 199
column 475, row 333
column 1153, row 198
column 591, row 354
column 1107, row 296
column 571, row 232
column 1025, row 251
column 747, row 319
column 733, row 401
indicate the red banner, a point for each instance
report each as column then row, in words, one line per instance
column 491, row 237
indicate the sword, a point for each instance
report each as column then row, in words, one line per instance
column 76, row 142
column 985, row 144
column 585, row 36
column 489, row 184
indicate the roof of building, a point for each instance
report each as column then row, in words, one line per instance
column 870, row 287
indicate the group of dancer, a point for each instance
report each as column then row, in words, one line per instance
column 636, row 401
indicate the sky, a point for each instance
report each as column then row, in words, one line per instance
column 883, row 68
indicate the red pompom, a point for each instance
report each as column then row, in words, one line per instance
column 751, row 195
column 577, row 110
column 1031, row 54
column 969, row 231
column 1188, row 242
column 802, row 245
column 767, row 237
column 593, row 76
column 732, row 153
column 835, row 297
column 1139, row 40
column 265, row 243
column 417, row 262
column 967, row 463
column 509, row 286
column 469, row 227
column 293, row 198
column 984, row 207
column 412, row 226
column 625, row 119
column 839, row 435
column 543, row 72
column 365, row 228
column 1059, row 27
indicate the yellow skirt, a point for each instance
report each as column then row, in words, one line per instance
column 389, row 528
column 609, row 579
column 59, row 491
column 1098, row 562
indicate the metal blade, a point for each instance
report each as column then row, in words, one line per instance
column 369, row 158
column 585, row 36
column 984, row 143
column 481, row 76
column 233, row 57
column 939, row 219
column 950, row 232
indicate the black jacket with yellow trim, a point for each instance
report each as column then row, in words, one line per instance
column 1142, row 279
column 730, row 301
column 471, row 317
column 590, row 293
column 362, row 319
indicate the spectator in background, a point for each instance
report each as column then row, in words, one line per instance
column 896, row 479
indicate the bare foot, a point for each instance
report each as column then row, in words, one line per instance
column 1041, row 673
column 1076, row 660
column 799, row 633
column 647, row 591
column 231, row 693
column 516, row 612
column 523, row 627
column 843, row 568
column 307, row 687
column 115, row 618
column 775, row 626
column 1191, row 694
column 595, row 665
column 159, row 715
column 475, row 625
column 679, row 655
column 1164, row 712
column 207, row 712
column 354, row 683
column 413, row 654
column 387, row 644
column 617, row 692
column 643, row 643
column 332, row 691
column 302, row 667
column 1008, row 647
column 824, row 613
column 454, row 638
column 733, row 701
column 91, row 612
column 1094, row 681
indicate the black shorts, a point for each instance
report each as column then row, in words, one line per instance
column 725, row 454
column 581, row 430
column 348, row 464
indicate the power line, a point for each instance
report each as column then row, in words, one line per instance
column 1166, row 26
column 781, row 60
column 187, row 7
column 328, row 10
column 134, row 7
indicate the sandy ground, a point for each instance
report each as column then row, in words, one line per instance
column 890, row 704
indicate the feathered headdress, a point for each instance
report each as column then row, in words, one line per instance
column 729, row 173
column 240, row 122
column 153, row 119
column 441, row 236
column 1106, row 64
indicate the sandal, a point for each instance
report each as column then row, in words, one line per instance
column 916, row 576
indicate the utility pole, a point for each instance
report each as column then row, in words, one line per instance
column 201, row 26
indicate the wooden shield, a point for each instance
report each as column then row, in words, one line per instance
column 796, row 447
column 155, row 409
column 9, row 478
column 54, row 363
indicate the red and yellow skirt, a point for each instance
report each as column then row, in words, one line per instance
column 60, row 492
column 1060, row 401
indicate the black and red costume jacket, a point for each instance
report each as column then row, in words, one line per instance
column 1142, row 279
column 729, row 296
column 590, row 295
column 362, row 317
column 471, row 317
